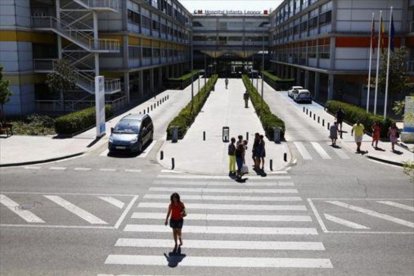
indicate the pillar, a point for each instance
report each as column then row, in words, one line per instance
column 317, row 84
column 306, row 79
column 126, row 87
column 330, row 86
column 160, row 78
column 298, row 77
column 151, row 72
column 141, row 84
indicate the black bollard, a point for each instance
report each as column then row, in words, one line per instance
column 247, row 136
column 285, row 157
column 328, row 125
column 148, row 110
column 310, row 114
column 172, row 163
column 271, row 164
column 161, row 155
column 204, row 135
column 307, row 111
column 323, row 122
column 303, row 109
column 319, row 119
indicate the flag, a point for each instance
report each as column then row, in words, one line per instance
column 392, row 34
column 382, row 30
column 373, row 34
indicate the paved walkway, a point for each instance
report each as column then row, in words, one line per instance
column 224, row 107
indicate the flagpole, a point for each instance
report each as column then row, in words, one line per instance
column 378, row 65
column 388, row 67
column 370, row 61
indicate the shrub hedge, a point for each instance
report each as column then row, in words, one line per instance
column 78, row 121
column 183, row 81
column 267, row 118
column 354, row 113
column 277, row 83
column 185, row 118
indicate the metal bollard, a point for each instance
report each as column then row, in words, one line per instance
column 323, row 122
column 247, row 136
column 328, row 125
column 144, row 111
column 285, row 157
column 271, row 164
column 148, row 110
column 204, row 135
column 314, row 116
column 151, row 107
column 303, row 109
column 172, row 163
column 307, row 111
column 319, row 119
column 310, row 114
column 161, row 155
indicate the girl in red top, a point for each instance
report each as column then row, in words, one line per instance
column 376, row 133
column 177, row 211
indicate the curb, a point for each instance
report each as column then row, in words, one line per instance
column 385, row 161
column 42, row 161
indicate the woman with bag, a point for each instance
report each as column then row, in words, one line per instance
column 177, row 211
column 393, row 134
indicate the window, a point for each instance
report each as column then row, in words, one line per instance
column 146, row 52
column 134, row 52
column 325, row 18
column 134, row 17
column 146, row 22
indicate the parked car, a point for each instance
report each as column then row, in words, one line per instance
column 293, row 90
column 131, row 133
column 303, row 96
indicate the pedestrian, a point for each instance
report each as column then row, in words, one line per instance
column 333, row 133
column 239, row 140
column 393, row 135
column 226, row 81
column 376, row 134
column 240, row 152
column 262, row 151
column 232, row 157
column 177, row 211
column 358, row 128
column 246, row 99
column 255, row 151
column 340, row 114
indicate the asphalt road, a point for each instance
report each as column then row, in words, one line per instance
column 342, row 215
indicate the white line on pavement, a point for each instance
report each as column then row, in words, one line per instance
column 242, row 191
column 223, row 183
column 225, row 198
column 345, row 222
column 318, row 217
column 107, row 170
column 85, row 215
column 113, row 201
column 224, row 230
column 32, row 168
column 57, row 168
column 147, row 150
column 397, row 205
column 15, row 208
column 320, row 150
column 255, row 207
column 302, row 150
column 206, row 261
column 223, row 244
column 341, row 154
column 225, row 217
column 373, row 213
column 127, row 209
column 82, row 169
column 133, row 170
column 255, row 177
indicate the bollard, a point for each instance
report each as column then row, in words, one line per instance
column 151, row 107
column 328, row 125
column 319, row 119
column 140, row 112
column 271, row 164
column 247, row 136
column 172, row 163
column 144, row 111
column 307, row 111
column 285, row 157
column 147, row 109
column 303, row 109
column 204, row 135
column 323, row 122
column 310, row 114
column 314, row 116
column 161, row 155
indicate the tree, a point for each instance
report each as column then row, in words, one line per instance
column 62, row 78
column 5, row 93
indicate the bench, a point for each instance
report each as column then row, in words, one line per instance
column 6, row 128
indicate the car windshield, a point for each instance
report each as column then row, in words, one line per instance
column 126, row 126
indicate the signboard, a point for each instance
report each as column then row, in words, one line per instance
column 230, row 12
column 100, row 105
column 407, row 134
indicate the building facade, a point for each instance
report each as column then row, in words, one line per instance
column 324, row 44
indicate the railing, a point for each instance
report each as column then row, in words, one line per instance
column 82, row 39
column 44, row 65
column 111, row 4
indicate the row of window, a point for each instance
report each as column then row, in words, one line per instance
column 293, row 7
column 231, row 38
column 135, row 52
column 301, row 54
column 168, row 7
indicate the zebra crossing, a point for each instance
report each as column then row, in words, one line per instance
column 259, row 224
column 314, row 150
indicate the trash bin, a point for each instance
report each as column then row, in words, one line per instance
column 174, row 136
column 276, row 135
column 226, row 134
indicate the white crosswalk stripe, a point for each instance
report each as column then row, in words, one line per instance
column 255, row 207
column 302, row 150
column 241, row 191
column 222, row 177
column 320, row 151
column 397, row 205
column 15, row 208
column 227, row 198
column 224, row 183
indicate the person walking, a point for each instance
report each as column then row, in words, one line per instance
column 358, row 129
column 262, row 152
column 232, row 157
column 239, row 140
column 393, row 135
column 246, row 99
column 240, row 152
column 333, row 133
column 376, row 134
column 226, row 81
column 255, row 151
column 177, row 211
column 340, row 114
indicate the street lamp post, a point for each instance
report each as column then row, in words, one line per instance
column 263, row 41
column 205, row 69
column 192, row 65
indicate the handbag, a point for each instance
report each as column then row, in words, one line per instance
column 245, row 169
column 183, row 212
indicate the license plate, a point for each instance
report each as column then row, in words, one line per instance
column 120, row 147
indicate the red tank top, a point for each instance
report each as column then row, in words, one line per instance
column 176, row 211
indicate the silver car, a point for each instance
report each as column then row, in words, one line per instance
column 293, row 90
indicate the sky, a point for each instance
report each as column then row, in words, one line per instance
column 251, row 5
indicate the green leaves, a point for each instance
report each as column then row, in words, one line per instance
column 5, row 92
column 63, row 77
column 398, row 71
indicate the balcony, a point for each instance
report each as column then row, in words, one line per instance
column 101, row 5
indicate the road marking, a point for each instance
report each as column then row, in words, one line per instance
column 373, row 213
column 318, row 217
column 15, row 208
column 82, row 169
column 226, row 217
column 256, row 177
column 397, row 205
column 207, row 190
column 224, row 230
column 133, row 170
column 223, row 244
column 57, row 168
column 223, row 183
column 127, row 209
column 302, row 150
column 341, row 154
column 147, row 150
column 104, row 153
column 206, row 261
column 345, row 222
column 320, row 150
column 225, row 198
column 113, row 201
column 85, row 215
column 170, row 171
column 32, row 168
column 228, row 206
column 107, row 170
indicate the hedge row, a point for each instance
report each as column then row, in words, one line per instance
column 185, row 118
column 78, row 121
column 183, row 81
column 277, row 83
column 267, row 118
column 354, row 113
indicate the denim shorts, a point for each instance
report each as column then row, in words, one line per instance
column 176, row 224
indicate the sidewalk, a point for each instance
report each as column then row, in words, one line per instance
column 24, row 150
column 223, row 108
column 383, row 154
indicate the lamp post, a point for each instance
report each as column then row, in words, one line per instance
column 205, row 69
column 192, row 65
column 264, row 26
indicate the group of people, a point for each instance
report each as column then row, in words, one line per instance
column 358, row 131
column 237, row 155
